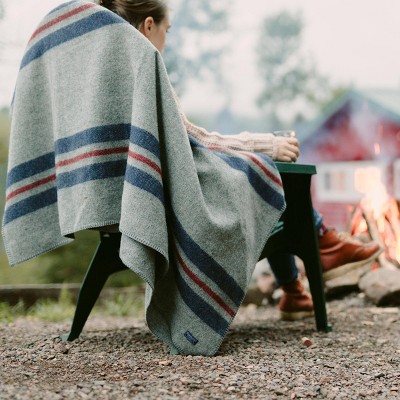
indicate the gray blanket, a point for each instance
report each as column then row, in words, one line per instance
column 97, row 139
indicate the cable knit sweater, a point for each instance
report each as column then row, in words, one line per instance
column 255, row 142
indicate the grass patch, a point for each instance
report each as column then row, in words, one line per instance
column 119, row 305
column 55, row 311
column 10, row 313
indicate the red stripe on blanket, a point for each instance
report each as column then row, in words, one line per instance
column 252, row 158
column 31, row 186
column 145, row 160
column 268, row 173
column 61, row 18
column 95, row 153
column 203, row 286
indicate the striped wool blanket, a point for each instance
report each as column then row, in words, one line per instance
column 97, row 139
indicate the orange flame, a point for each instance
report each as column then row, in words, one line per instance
column 368, row 181
column 381, row 207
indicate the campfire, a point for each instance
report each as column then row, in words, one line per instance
column 377, row 216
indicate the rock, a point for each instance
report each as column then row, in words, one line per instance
column 254, row 296
column 382, row 286
column 345, row 284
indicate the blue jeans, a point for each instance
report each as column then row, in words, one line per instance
column 283, row 266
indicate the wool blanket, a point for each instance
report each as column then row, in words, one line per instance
column 97, row 139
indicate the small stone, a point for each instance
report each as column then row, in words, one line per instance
column 306, row 341
column 165, row 362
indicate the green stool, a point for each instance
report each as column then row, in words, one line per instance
column 295, row 234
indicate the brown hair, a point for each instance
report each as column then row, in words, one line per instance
column 136, row 11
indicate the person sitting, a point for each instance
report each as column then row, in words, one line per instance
column 339, row 254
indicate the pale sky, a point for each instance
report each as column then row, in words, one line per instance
column 354, row 42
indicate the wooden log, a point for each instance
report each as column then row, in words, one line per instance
column 375, row 235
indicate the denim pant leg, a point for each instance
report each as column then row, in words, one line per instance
column 284, row 266
column 318, row 220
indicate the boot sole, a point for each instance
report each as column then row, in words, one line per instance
column 295, row 316
column 344, row 269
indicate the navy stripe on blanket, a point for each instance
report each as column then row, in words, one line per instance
column 207, row 265
column 200, row 307
column 69, row 32
column 144, row 139
column 266, row 192
column 109, row 169
column 145, row 181
column 30, row 204
column 97, row 134
column 30, row 168
column 99, row 170
column 261, row 187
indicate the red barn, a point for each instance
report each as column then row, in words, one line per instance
column 355, row 144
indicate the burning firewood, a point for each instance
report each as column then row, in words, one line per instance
column 382, row 227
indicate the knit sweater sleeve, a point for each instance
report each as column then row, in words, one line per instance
column 254, row 142
column 245, row 141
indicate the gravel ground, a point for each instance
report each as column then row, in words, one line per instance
column 261, row 358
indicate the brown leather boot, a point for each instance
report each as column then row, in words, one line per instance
column 340, row 253
column 296, row 303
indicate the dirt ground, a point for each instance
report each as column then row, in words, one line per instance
column 261, row 358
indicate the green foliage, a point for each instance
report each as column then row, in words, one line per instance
column 190, row 54
column 2, row 12
column 123, row 279
column 4, row 133
column 289, row 76
column 26, row 273
column 281, row 38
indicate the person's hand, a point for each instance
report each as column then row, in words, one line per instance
column 288, row 148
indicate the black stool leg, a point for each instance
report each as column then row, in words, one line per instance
column 301, row 237
column 312, row 265
column 105, row 262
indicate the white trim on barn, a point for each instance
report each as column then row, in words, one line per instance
column 348, row 182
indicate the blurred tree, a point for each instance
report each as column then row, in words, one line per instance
column 290, row 78
column 190, row 51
